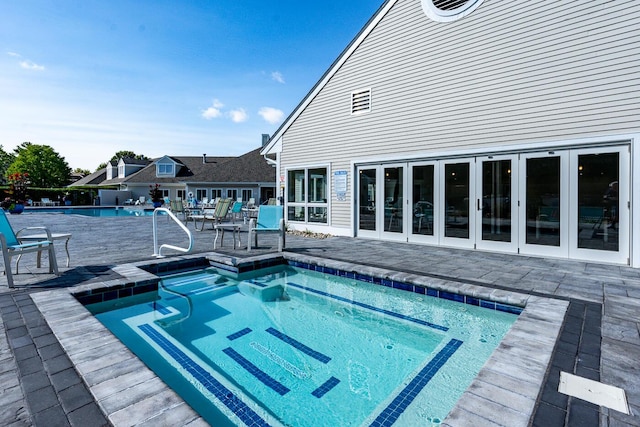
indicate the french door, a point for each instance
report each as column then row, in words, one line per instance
column 382, row 203
column 497, row 203
column 571, row 203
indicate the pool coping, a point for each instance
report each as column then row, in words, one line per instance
column 503, row 393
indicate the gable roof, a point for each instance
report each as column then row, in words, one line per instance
column 342, row 58
column 94, row 178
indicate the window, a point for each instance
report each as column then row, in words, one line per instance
column 201, row 194
column 307, row 195
column 216, row 193
column 181, row 194
column 164, row 169
column 361, row 101
column 120, row 171
column 246, row 195
column 449, row 10
column 232, row 193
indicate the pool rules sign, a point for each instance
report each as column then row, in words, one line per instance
column 340, row 185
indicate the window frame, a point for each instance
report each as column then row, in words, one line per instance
column 305, row 204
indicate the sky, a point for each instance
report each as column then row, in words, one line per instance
column 162, row 77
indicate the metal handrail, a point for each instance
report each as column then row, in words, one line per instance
column 158, row 252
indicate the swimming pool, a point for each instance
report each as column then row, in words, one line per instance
column 297, row 347
column 94, row 211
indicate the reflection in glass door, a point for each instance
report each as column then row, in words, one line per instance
column 497, row 203
column 367, row 200
column 600, row 221
column 423, row 192
column 393, row 199
column 598, row 205
column 544, row 191
column 458, row 189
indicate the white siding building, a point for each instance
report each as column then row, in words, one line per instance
column 493, row 125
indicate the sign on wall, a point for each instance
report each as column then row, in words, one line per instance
column 340, row 184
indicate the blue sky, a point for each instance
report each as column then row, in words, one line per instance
column 90, row 78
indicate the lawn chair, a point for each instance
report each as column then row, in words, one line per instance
column 213, row 216
column 12, row 246
column 177, row 208
column 269, row 220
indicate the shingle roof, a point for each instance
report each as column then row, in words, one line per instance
column 248, row 168
column 91, row 179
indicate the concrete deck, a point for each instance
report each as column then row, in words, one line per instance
column 599, row 338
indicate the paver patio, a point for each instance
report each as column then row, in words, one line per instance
column 600, row 339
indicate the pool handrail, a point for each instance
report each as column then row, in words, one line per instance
column 157, row 252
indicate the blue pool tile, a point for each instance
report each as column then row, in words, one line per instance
column 508, row 308
column 400, row 403
column 420, row 290
column 228, row 398
column 159, row 308
column 326, row 387
column 472, row 301
column 298, row 345
column 388, row 283
column 258, row 373
column 403, row 286
column 451, row 296
column 488, row 304
column 239, row 334
column 433, row 292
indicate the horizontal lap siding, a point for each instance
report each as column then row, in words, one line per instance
column 511, row 72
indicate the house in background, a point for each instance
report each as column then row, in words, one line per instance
column 247, row 177
column 491, row 125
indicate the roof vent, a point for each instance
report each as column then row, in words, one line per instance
column 449, row 10
column 361, row 101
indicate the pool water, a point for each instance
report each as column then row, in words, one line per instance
column 97, row 212
column 289, row 346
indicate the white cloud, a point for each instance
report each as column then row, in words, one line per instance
column 14, row 54
column 213, row 111
column 271, row 115
column 238, row 115
column 277, row 76
column 28, row 65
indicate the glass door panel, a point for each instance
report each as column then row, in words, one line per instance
column 598, row 204
column 367, row 199
column 600, row 224
column 458, row 188
column 496, row 204
column 394, row 199
column 423, row 196
column 544, row 193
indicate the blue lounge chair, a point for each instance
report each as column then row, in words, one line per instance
column 12, row 246
column 269, row 220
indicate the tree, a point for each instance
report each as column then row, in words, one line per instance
column 45, row 167
column 80, row 171
column 120, row 154
column 5, row 161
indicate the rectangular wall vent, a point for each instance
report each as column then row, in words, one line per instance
column 360, row 101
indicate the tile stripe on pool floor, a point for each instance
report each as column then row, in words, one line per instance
column 260, row 375
column 326, row 387
column 370, row 307
column 239, row 334
column 230, row 400
column 297, row 344
column 392, row 412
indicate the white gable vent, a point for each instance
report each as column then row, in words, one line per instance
column 361, row 101
column 449, row 10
